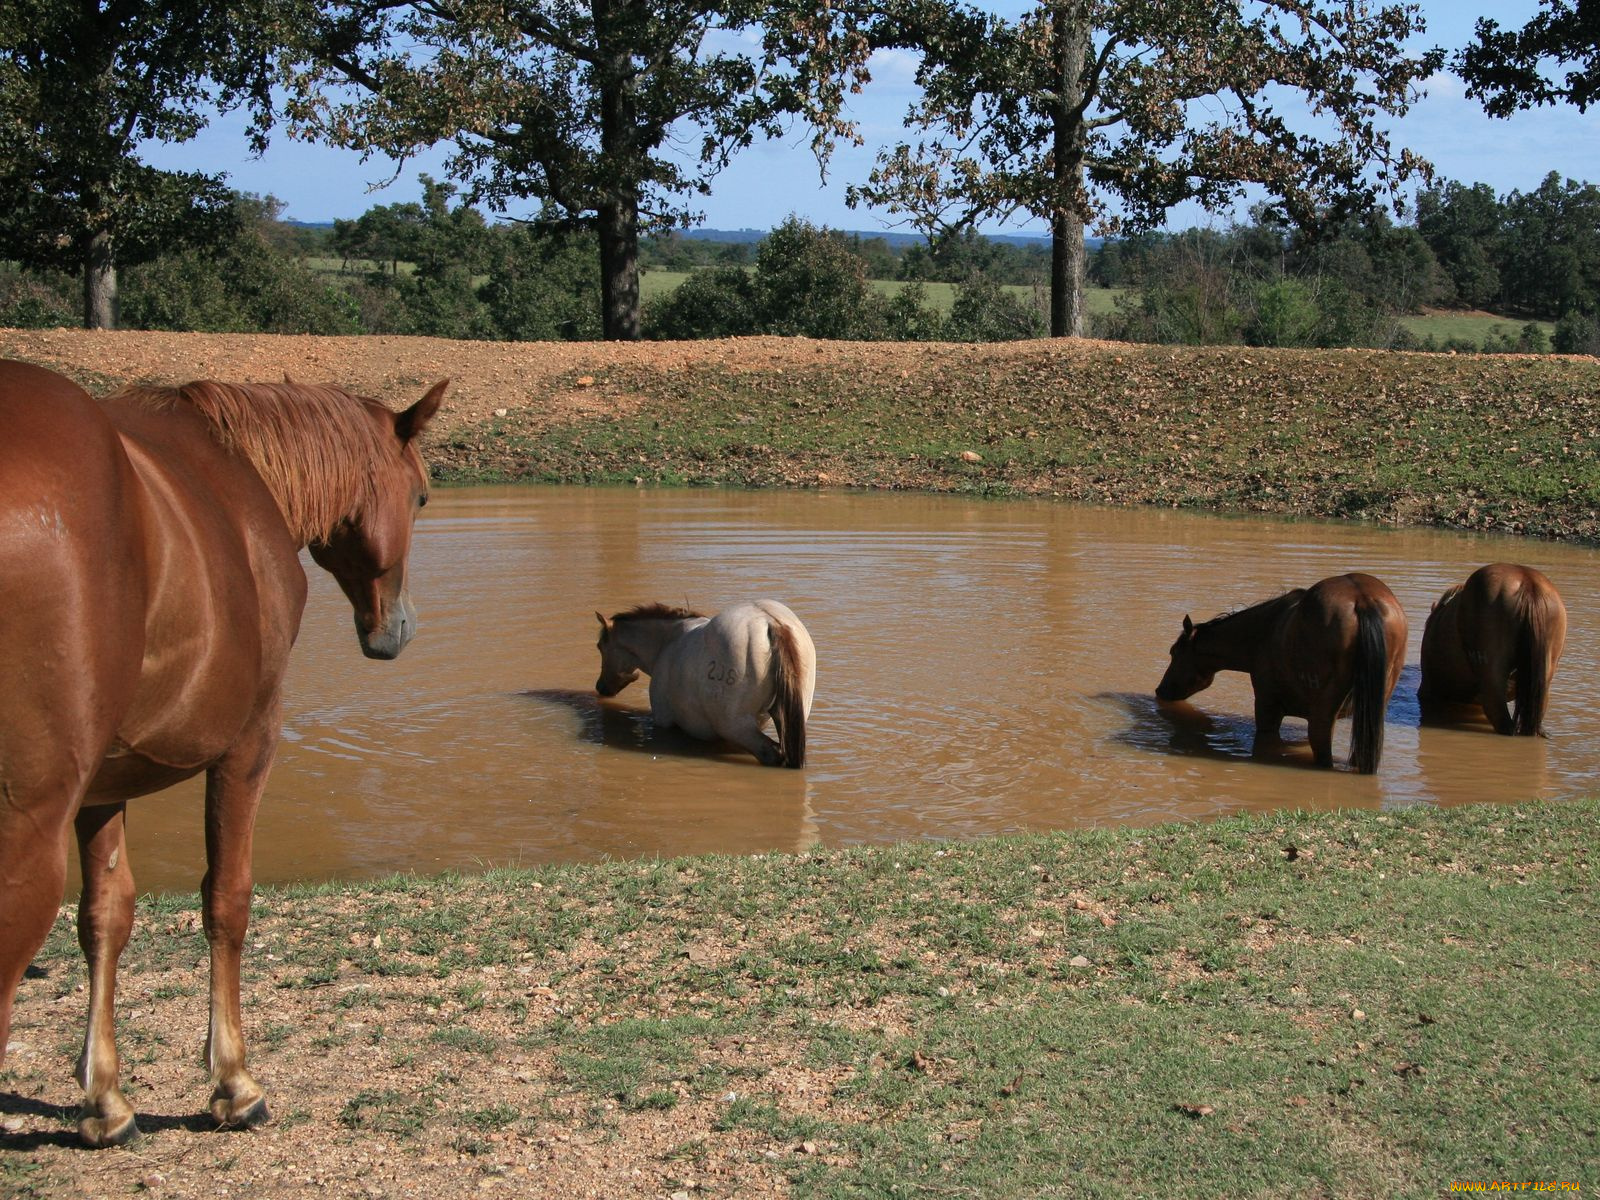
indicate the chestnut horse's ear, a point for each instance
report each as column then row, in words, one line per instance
column 414, row 420
column 1188, row 625
column 604, row 624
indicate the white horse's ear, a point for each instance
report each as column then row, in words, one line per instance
column 1188, row 625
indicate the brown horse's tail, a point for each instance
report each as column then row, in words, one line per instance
column 1532, row 663
column 1368, row 700
column 789, row 703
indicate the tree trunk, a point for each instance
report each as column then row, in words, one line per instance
column 1066, row 274
column 618, row 209
column 99, row 284
column 1070, row 32
column 619, row 269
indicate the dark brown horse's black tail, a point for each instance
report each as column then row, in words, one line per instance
column 1532, row 663
column 789, row 703
column 1368, row 700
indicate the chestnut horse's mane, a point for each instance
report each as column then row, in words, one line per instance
column 646, row 612
column 1253, row 609
column 314, row 447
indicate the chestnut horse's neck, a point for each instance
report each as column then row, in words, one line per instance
column 1233, row 640
column 316, row 448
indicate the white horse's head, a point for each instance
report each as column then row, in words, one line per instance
column 619, row 665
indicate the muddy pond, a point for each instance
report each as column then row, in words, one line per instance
column 983, row 668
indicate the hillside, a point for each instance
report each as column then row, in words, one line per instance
column 1480, row 442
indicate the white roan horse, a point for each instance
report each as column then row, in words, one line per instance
column 718, row 677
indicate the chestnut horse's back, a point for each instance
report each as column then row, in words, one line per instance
column 1498, row 634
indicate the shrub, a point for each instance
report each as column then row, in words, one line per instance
column 809, row 282
column 1286, row 314
column 983, row 311
column 1576, row 333
column 543, row 286
column 712, row 302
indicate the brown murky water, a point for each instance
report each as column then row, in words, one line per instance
column 983, row 667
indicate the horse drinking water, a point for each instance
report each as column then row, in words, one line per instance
column 151, row 588
column 1498, row 635
column 720, row 676
column 1316, row 653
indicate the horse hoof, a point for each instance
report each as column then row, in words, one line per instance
column 228, row 1113
column 100, row 1133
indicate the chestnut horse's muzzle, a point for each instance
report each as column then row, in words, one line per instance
column 390, row 638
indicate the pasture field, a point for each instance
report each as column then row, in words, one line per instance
column 1344, row 1005
column 939, row 296
column 1473, row 327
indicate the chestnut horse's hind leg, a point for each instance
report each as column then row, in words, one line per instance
column 105, row 919
column 233, row 792
column 33, row 875
column 1493, row 686
column 1319, row 733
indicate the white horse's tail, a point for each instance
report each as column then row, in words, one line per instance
column 789, row 702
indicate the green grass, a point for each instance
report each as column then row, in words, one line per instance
column 1341, row 1005
column 1474, row 328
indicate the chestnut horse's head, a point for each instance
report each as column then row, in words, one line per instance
column 367, row 550
column 1184, row 676
column 619, row 666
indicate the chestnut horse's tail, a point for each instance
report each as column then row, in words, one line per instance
column 789, row 703
column 1534, row 636
column 1368, row 700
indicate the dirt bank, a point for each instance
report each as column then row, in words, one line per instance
column 1476, row 442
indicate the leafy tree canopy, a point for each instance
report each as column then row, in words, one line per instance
column 82, row 82
column 1110, row 112
column 1554, row 58
column 576, row 106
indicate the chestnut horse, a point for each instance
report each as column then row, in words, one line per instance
column 1497, row 635
column 720, row 676
column 1317, row 653
column 151, row 586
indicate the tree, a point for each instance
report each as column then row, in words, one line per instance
column 1552, row 248
column 1145, row 103
column 1464, row 225
column 82, row 83
column 1506, row 68
column 576, row 105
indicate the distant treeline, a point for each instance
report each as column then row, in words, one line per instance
column 440, row 269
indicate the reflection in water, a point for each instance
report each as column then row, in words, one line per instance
column 983, row 667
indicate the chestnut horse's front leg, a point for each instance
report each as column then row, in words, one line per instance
column 233, row 793
column 105, row 919
column 1269, row 725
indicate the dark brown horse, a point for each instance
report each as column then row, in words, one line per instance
column 151, row 588
column 1317, row 653
column 1497, row 635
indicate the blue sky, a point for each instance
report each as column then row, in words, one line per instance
column 769, row 181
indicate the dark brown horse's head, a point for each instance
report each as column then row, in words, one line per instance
column 1185, row 676
column 367, row 551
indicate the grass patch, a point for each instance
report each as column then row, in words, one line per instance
column 1350, row 1004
